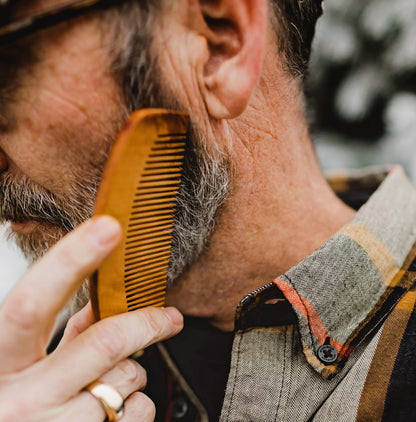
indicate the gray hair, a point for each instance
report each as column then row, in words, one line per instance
column 294, row 22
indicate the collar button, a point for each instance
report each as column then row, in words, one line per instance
column 179, row 409
column 327, row 354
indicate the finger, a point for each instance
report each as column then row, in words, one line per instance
column 139, row 408
column 101, row 346
column 30, row 310
column 86, row 408
column 77, row 324
column 127, row 377
column 36, row 401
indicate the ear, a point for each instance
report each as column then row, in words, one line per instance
column 235, row 38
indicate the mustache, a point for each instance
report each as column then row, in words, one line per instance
column 21, row 200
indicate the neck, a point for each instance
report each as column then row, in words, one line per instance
column 279, row 211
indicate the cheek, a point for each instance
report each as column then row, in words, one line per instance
column 65, row 126
column 54, row 143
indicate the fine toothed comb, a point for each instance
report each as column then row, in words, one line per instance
column 139, row 188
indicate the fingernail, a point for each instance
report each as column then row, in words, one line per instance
column 174, row 315
column 103, row 229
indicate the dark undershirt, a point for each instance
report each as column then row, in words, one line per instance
column 202, row 354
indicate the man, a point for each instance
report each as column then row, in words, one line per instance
column 309, row 342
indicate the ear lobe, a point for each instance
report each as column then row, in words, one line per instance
column 236, row 41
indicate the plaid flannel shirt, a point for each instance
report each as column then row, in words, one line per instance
column 334, row 339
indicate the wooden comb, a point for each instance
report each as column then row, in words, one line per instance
column 139, row 188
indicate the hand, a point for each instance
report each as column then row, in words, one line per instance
column 42, row 388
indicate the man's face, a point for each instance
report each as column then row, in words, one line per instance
column 60, row 110
column 66, row 111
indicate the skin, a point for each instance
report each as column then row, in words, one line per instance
column 219, row 61
column 54, row 92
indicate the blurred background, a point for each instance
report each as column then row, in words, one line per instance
column 362, row 84
column 361, row 94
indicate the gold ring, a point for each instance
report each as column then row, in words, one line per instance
column 110, row 399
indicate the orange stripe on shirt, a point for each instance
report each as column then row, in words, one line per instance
column 308, row 311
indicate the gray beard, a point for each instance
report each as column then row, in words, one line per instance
column 21, row 200
column 204, row 188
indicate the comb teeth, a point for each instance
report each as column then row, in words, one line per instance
column 149, row 231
